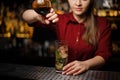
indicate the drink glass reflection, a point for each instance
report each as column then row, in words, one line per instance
column 42, row 6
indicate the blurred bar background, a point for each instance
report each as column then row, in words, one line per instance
column 23, row 44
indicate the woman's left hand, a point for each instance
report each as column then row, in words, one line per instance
column 75, row 68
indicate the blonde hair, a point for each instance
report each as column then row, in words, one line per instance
column 91, row 27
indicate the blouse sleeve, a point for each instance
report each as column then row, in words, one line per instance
column 51, row 26
column 37, row 24
column 104, row 48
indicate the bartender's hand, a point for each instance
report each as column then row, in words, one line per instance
column 75, row 68
column 51, row 17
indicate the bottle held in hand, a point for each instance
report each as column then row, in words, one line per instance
column 42, row 6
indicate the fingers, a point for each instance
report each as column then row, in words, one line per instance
column 75, row 68
column 79, row 71
column 52, row 16
column 69, row 68
column 68, row 65
column 47, row 21
column 72, row 70
column 51, row 10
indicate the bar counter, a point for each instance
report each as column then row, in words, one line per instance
column 10, row 71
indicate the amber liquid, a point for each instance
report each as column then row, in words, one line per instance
column 43, row 10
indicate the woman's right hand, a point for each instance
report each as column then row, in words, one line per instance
column 30, row 16
column 51, row 17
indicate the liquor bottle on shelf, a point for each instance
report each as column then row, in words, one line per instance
column 45, row 47
column 2, row 20
column 2, row 26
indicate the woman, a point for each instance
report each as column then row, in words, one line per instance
column 88, row 36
